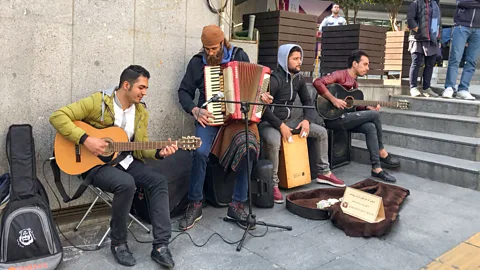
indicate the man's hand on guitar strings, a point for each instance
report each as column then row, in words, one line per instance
column 95, row 145
column 305, row 125
column 169, row 149
column 203, row 116
column 374, row 108
column 339, row 103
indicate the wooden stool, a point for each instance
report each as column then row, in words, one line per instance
column 294, row 166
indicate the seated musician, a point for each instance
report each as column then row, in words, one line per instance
column 216, row 51
column 365, row 120
column 276, row 123
column 122, row 106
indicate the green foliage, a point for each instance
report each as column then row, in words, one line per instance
column 392, row 7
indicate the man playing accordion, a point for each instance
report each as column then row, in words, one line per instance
column 216, row 51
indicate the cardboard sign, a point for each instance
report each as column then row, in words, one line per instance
column 363, row 205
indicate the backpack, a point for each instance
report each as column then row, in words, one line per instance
column 28, row 238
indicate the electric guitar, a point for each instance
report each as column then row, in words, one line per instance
column 353, row 98
column 76, row 159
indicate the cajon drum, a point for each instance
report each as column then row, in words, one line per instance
column 294, row 166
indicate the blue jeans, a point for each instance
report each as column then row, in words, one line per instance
column 460, row 36
column 199, row 167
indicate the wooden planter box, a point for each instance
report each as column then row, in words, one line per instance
column 280, row 27
column 338, row 42
column 397, row 58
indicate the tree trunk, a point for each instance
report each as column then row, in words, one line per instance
column 393, row 13
column 345, row 12
column 355, row 12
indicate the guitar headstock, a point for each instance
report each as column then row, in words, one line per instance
column 403, row 104
column 189, row 143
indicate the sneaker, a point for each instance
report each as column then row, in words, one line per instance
column 236, row 211
column 277, row 195
column 390, row 162
column 192, row 215
column 414, row 92
column 464, row 94
column 448, row 93
column 123, row 255
column 429, row 93
column 330, row 180
column 383, row 175
column 162, row 256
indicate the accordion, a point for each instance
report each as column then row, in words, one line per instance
column 239, row 81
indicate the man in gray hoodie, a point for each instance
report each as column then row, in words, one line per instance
column 466, row 30
column 277, row 123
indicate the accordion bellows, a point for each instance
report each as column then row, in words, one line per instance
column 239, row 81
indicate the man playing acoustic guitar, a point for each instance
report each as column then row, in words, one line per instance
column 366, row 119
column 123, row 107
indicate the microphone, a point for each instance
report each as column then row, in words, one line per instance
column 214, row 98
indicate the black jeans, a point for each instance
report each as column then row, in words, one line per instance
column 122, row 183
column 366, row 122
column 417, row 62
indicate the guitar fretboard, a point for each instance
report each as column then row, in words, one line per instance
column 374, row 103
column 133, row 146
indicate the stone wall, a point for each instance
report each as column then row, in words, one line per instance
column 55, row 52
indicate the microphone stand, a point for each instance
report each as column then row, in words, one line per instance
column 251, row 218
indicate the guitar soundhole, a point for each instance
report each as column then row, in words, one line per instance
column 349, row 100
column 109, row 149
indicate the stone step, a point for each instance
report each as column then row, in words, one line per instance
column 467, row 148
column 440, row 168
column 441, row 105
column 475, row 81
column 443, row 71
column 443, row 123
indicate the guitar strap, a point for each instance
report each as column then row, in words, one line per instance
column 86, row 181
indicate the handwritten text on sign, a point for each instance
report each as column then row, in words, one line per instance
column 363, row 205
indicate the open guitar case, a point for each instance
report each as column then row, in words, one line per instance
column 304, row 204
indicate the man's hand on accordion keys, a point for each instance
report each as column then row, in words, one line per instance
column 266, row 98
column 203, row 116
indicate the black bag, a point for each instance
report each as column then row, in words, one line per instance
column 176, row 168
column 262, row 184
column 218, row 186
column 28, row 239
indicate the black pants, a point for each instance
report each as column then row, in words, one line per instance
column 417, row 62
column 122, row 183
column 366, row 122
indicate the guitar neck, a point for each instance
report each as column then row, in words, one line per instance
column 133, row 146
column 374, row 103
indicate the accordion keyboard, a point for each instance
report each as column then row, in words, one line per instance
column 213, row 86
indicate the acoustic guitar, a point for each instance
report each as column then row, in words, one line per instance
column 353, row 98
column 76, row 159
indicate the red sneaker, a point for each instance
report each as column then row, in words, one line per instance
column 277, row 195
column 330, row 180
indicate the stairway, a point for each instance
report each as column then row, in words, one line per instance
column 441, row 75
column 437, row 138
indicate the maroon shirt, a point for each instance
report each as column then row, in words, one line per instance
column 341, row 77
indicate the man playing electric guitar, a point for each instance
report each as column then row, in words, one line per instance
column 366, row 119
column 122, row 106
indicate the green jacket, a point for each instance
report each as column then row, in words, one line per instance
column 97, row 110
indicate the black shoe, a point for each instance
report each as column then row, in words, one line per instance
column 383, row 175
column 162, row 257
column 390, row 162
column 123, row 255
column 192, row 215
column 236, row 211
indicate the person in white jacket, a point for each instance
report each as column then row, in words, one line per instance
column 334, row 19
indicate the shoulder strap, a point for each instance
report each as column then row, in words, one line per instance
column 234, row 52
column 86, row 181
